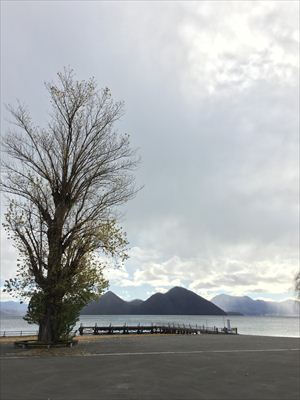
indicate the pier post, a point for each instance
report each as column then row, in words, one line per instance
column 95, row 329
column 228, row 325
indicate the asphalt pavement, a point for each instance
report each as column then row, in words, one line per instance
column 155, row 367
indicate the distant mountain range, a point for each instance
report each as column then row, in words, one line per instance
column 12, row 308
column 177, row 301
column 247, row 306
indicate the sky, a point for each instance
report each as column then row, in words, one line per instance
column 211, row 93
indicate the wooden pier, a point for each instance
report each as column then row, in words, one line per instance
column 154, row 329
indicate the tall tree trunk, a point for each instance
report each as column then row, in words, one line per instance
column 49, row 328
column 49, row 331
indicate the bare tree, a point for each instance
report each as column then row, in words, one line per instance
column 64, row 183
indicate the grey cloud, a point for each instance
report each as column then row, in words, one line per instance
column 220, row 169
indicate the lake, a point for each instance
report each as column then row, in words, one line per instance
column 247, row 325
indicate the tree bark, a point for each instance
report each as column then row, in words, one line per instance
column 48, row 327
column 46, row 334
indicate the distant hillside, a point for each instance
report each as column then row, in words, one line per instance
column 108, row 304
column 12, row 308
column 248, row 306
column 177, row 301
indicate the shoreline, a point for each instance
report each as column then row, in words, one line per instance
column 252, row 325
column 84, row 338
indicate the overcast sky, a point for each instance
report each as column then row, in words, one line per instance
column 212, row 96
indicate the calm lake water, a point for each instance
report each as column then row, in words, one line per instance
column 263, row 326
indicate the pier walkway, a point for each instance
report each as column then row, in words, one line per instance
column 154, row 329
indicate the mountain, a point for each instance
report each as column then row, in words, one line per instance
column 12, row 308
column 177, row 301
column 289, row 307
column 108, row 304
column 135, row 302
column 248, row 306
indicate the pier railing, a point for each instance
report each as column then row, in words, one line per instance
column 18, row 333
column 181, row 329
